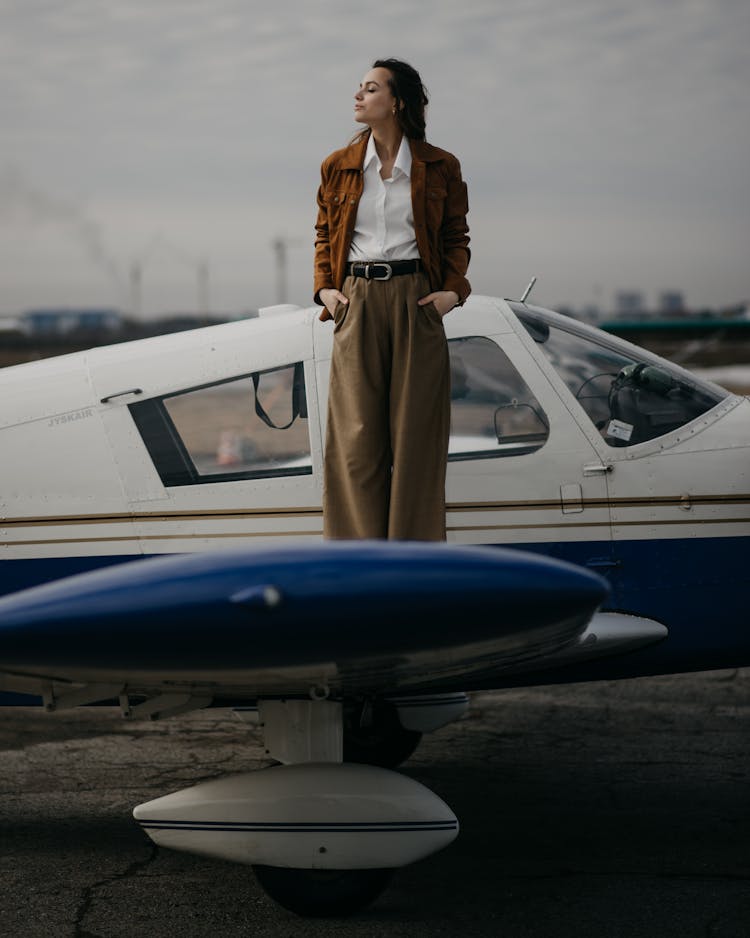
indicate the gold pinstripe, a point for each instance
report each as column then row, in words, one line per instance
column 693, row 501
column 598, row 524
column 566, row 525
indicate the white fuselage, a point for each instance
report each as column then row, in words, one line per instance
column 81, row 487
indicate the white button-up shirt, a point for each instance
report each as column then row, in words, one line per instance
column 384, row 228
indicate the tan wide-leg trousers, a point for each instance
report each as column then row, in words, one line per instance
column 388, row 414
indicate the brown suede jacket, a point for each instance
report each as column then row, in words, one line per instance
column 439, row 202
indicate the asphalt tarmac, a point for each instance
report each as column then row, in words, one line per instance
column 602, row 810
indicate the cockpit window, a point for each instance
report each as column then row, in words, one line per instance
column 630, row 395
column 253, row 426
column 493, row 412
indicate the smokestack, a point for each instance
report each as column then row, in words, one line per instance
column 19, row 197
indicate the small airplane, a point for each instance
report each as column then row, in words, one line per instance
column 162, row 542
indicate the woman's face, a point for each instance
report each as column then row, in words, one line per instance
column 373, row 101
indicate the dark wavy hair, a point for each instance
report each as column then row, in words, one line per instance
column 411, row 99
column 410, row 94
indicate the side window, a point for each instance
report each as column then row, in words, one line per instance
column 493, row 412
column 630, row 399
column 254, row 426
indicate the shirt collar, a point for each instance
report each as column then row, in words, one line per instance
column 403, row 158
column 402, row 161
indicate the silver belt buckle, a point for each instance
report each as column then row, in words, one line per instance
column 388, row 268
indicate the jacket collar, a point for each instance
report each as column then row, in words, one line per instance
column 424, row 152
column 421, row 152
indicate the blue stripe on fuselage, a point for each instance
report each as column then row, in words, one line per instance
column 23, row 574
column 697, row 587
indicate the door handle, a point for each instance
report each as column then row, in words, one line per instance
column 111, row 397
column 597, row 469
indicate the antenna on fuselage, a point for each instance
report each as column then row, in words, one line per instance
column 528, row 289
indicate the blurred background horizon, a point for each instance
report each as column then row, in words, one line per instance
column 164, row 158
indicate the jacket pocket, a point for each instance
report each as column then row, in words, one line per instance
column 339, row 198
column 435, row 204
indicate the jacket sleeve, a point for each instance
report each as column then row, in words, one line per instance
column 323, row 278
column 455, row 235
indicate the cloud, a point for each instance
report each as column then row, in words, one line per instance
column 209, row 124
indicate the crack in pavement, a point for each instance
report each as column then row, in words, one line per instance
column 133, row 869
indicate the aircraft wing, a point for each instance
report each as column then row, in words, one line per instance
column 338, row 619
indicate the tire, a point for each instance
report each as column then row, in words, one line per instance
column 322, row 893
column 383, row 741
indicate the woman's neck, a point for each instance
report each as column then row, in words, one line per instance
column 387, row 141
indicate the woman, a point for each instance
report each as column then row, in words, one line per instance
column 391, row 255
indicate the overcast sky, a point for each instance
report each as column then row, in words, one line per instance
column 606, row 144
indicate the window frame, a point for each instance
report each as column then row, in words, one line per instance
column 521, row 450
column 179, row 468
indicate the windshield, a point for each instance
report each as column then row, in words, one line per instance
column 629, row 394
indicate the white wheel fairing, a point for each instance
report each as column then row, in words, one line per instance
column 309, row 816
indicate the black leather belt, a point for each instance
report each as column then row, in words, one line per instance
column 382, row 270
